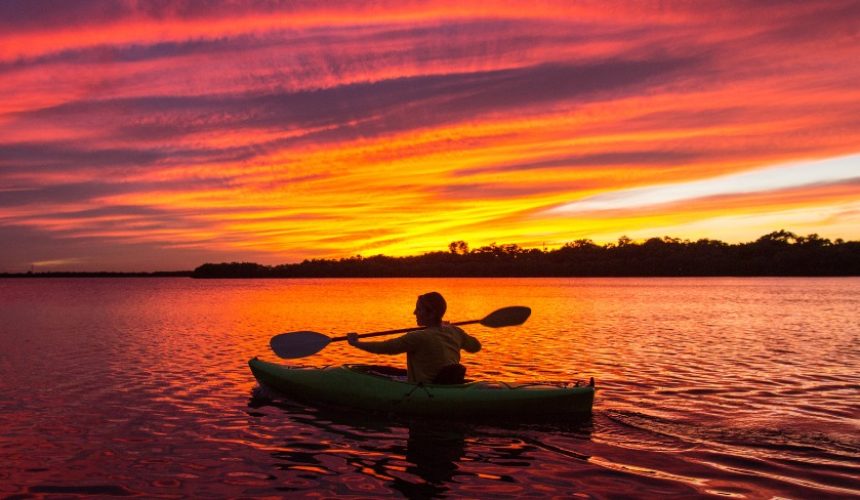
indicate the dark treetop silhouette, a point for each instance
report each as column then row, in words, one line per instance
column 780, row 253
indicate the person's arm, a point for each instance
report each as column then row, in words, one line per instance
column 399, row 345
column 470, row 343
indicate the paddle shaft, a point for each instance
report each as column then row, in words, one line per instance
column 402, row 330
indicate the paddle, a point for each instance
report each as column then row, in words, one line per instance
column 304, row 343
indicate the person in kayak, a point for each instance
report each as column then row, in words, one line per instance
column 433, row 353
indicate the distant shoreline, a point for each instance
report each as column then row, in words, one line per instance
column 778, row 254
column 87, row 274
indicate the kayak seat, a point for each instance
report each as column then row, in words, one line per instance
column 451, row 374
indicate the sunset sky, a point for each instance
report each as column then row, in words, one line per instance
column 161, row 135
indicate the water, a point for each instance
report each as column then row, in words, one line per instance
column 726, row 387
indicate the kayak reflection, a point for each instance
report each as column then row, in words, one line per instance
column 346, row 453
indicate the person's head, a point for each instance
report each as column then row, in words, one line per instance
column 429, row 309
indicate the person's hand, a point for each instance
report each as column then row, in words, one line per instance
column 352, row 338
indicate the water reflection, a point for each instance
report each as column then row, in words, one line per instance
column 419, row 458
column 705, row 386
column 435, row 451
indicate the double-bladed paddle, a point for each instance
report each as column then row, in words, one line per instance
column 304, row 343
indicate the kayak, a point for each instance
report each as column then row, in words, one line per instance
column 380, row 389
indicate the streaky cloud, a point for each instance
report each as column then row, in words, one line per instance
column 641, row 158
column 767, row 179
column 378, row 107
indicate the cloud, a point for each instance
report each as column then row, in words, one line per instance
column 769, row 179
column 36, row 158
column 642, row 158
column 464, row 94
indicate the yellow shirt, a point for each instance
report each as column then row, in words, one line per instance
column 428, row 350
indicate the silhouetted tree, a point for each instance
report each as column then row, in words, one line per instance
column 458, row 247
column 780, row 253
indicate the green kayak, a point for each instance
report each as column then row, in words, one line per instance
column 373, row 388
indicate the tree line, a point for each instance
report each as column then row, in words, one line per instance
column 780, row 253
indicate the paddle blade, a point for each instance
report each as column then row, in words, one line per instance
column 298, row 344
column 507, row 316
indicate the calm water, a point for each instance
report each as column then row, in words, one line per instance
column 730, row 387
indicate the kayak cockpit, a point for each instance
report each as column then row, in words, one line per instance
column 400, row 375
column 387, row 372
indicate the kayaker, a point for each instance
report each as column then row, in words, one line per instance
column 433, row 353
